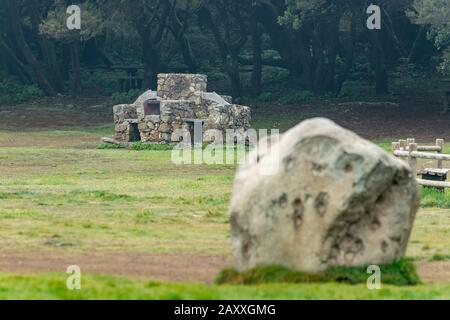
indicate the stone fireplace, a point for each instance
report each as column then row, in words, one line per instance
column 181, row 101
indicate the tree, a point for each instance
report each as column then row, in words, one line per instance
column 317, row 29
column 434, row 16
column 55, row 27
column 37, row 11
column 14, row 14
column 227, row 21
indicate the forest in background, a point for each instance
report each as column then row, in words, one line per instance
column 246, row 47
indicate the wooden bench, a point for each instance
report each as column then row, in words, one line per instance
column 126, row 83
column 433, row 174
column 131, row 79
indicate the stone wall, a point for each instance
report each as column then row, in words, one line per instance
column 123, row 116
column 177, row 86
column 159, row 128
column 230, row 116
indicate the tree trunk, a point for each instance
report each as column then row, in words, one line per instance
column 151, row 59
column 418, row 44
column 102, row 55
column 256, row 78
column 15, row 21
column 47, row 49
column 381, row 76
column 14, row 62
column 332, row 43
column 226, row 53
column 75, row 63
column 286, row 43
column 349, row 54
column 178, row 31
column 235, row 78
column 319, row 61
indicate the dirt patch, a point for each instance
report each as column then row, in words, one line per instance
column 434, row 272
column 22, row 139
column 160, row 267
column 409, row 115
column 56, row 113
column 413, row 117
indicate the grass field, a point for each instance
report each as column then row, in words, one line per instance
column 60, row 195
column 52, row 286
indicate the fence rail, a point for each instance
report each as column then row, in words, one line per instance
column 433, row 184
column 422, row 155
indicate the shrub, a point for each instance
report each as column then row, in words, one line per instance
column 103, row 82
column 125, row 97
column 140, row 146
column 109, row 146
column 267, row 97
column 13, row 92
column 440, row 257
column 296, row 96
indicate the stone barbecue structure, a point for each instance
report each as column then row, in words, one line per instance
column 180, row 102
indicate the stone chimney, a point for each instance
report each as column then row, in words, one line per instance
column 180, row 86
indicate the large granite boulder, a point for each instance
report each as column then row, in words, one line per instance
column 335, row 199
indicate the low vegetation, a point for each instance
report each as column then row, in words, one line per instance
column 402, row 273
column 52, row 286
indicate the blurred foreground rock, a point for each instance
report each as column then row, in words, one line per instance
column 335, row 200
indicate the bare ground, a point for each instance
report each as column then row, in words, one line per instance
column 162, row 267
column 409, row 115
column 159, row 267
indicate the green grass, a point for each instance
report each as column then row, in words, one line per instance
column 401, row 272
column 60, row 189
column 110, row 146
column 139, row 146
column 53, row 286
column 60, row 194
column 432, row 198
column 440, row 257
column 65, row 188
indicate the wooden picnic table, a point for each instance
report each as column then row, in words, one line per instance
column 131, row 80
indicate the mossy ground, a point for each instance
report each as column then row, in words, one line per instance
column 400, row 273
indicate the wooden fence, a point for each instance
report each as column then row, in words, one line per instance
column 411, row 151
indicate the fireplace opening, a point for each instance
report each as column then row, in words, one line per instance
column 152, row 108
column 135, row 135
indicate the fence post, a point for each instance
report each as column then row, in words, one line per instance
column 412, row 160
column 395, row 147
column 410, row 141
column 440, row 143
column 402, row 144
